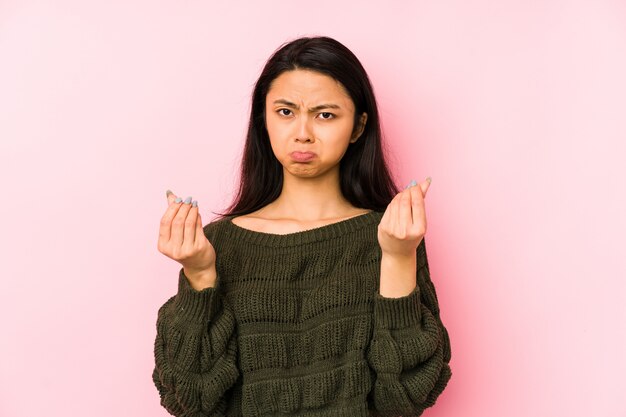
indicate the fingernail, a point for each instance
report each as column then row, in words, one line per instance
column 168, row 192
column 194, row 204
column 188, row 200
column 429, row 180
column 411, row 184
column 178, row 200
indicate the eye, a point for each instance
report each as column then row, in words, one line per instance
column 282, row 114
column 329, row 115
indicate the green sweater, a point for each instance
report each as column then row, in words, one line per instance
column 296, row 326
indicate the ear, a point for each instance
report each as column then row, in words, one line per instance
column 361, row 128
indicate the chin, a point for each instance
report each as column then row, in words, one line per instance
column 300, row 170
column 304, row 172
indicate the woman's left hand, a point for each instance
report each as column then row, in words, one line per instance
column 403, row 224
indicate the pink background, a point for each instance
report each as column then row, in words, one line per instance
column 516, row 109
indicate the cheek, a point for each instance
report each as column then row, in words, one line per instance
column 277, row 140
column 273, row 129
column 339, row 133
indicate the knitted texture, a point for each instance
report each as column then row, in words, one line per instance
column 296, row 326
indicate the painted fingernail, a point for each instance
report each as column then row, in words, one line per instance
column 411, row 184
column 194, row 204
column 168, row 192
column 188, row 200
column 178, row 200
column 429, row 180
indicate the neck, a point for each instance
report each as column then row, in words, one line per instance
column 310, row 199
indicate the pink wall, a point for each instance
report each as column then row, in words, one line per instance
column 516, row 109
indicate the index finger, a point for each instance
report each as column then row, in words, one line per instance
column 171, row 197
column 174, row 204
column 417, row 204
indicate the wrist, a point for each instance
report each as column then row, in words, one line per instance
column 399, row 258
column 202, row 279
column 397, row 275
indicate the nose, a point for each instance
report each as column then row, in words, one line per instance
column 304, row 134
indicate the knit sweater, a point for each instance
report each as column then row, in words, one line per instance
column 296, row 326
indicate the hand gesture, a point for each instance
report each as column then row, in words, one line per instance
column 403, row 224
column 181, row 238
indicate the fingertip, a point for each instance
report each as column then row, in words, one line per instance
column 416, row 193
column 171, row 197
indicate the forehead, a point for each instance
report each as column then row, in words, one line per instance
column 308, row 86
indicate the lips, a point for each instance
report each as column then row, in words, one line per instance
column 302, row 156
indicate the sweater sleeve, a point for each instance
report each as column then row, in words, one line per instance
column 195, row 352
column 409, row 352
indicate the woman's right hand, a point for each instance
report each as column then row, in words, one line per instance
column 182, row 239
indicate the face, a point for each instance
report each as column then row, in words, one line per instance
column 309, row 119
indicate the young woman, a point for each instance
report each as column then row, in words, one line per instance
column 311, row 295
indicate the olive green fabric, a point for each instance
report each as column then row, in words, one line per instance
column 296, row 326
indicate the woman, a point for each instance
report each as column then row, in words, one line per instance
column 311, row 295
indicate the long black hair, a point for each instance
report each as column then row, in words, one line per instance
column 365, row 179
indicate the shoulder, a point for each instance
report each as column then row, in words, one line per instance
column 214, row 227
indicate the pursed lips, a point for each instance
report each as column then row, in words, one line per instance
column 302, row 156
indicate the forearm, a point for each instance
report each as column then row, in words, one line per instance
column 195, row 352
column 409, row 352
column 397, row 275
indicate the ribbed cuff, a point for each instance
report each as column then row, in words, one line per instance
column 194, row 305
column 397, row 313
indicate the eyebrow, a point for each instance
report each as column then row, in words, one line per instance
column 311, row 109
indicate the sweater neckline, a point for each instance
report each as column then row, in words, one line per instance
column 320, row 233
